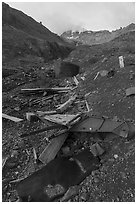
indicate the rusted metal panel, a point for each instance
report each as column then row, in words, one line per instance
column 87, row 125
column 57, row 176
column 53, row 147
column 94, row 124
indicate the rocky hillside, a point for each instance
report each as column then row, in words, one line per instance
column 105, row 95
column 95, row 37
column 22, row 36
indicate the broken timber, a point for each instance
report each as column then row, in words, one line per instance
column 41, row 113
column 76, row 81
column 56, row 126
column 87, row 106
column 4, row 159
column 53, row 147
column 12, row 118
column 85, row 123
column 65, row 105
column 48, row 90
column 61, row 119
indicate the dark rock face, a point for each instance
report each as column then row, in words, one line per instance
column 60, row 173
column 67, row 69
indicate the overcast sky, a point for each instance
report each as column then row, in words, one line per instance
column 63, row 16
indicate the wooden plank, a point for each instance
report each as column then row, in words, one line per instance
column 60, row 119
column 42, row 90
column 5, row 116
column 56, row 126
column 4, row 159
column 87, row 106
column 35, row 155
column 53, row 147
column 65, row 105
column 42, row 113
column 76, row 81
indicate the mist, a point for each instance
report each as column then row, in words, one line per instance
column 63, row 16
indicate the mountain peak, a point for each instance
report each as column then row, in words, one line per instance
column 96, row 37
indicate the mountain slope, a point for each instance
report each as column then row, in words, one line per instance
column 22, row 35
column 86, row 56
column 95, row 37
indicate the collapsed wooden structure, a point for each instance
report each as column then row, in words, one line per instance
column 46, row 184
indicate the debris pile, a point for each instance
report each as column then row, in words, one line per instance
column 60, row 127
column 76, row 134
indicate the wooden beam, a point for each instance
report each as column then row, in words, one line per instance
column 65, row 105
column 76, row 81
column 5, row 116
column 56, row 126
column 48, row 90
column 4, row 159
column 42, row 113
column 60, row 119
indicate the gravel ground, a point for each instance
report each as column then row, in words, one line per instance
column 114, row 181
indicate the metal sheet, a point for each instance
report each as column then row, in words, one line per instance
column 94, row 124
column 52, row 149
column 88, row 125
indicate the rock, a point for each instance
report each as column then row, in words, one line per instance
column 96, row 149
column 17, row 108
column 130, row 91
column 11, row 165
column 103, row 161
column 123, row 175
column 12, row 162
column 83, row 196
column 103, row 73
column 65, row 150
column 115, row 118
column 21, row 143
column 16, row 172
column 115, row 156
column 14, row 153
column 111, row 160
column 132, row 76
column 96, row 180
column 93, row 173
